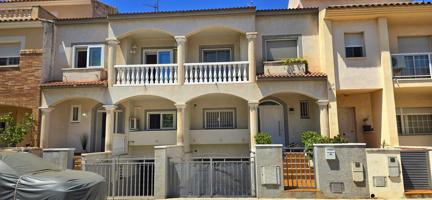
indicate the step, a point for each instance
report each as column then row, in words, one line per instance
column 418, row 193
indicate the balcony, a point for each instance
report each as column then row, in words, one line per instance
column 193, row 73
column 412, row 65
column 23, row 14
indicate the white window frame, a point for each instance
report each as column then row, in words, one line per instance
column 403, row 111
column 74, row 55
column 282, row 39
column 307, row 116
column 72, row 112
column 12, row 39
column 233, row 110
column 363, row 46
column 144, row 51
column 217, row 49
column 174, row 113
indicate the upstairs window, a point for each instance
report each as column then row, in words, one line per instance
column 157, row 56
column 216, row 55
column 161, row 120
column 219, row 118
column 88, row 56
column 279, row 49
column 354, row 45
column 9, row 54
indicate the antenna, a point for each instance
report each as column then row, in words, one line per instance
column 154, row 6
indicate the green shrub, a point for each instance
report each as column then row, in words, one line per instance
column 14, row 132
column 263, row 138
column 309, row 138
column 293, row 61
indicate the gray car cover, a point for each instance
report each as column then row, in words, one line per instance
column 25, row 176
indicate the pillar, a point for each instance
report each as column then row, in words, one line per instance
column 112, row 48
column 327, row 63
column 324, row 117
column 45, row 126
column 389, row 133
column 181, row 58
column 182, row 134
column 253, row 124
column 251, row 36
column 109, row 127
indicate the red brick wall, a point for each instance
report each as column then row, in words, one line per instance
column 19, row 86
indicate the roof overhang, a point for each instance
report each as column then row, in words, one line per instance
column 21, row 24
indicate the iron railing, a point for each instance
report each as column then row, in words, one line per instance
column 412, row 65
column 125, row 177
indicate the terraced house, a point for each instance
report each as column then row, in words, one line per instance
column 210, row 80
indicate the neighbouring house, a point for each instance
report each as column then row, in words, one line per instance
column 26, row 35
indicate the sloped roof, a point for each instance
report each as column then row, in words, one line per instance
column 379, row 5
column 291, row 76
column 102, row 83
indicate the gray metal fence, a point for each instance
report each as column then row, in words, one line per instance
column 211, row 178
column 125, row 177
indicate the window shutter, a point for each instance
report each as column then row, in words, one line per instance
column 281, row 49
column 10, row 49
column 354, row 40
column 415, row 44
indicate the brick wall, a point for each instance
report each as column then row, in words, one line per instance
column 19, row 86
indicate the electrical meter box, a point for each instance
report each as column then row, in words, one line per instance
column 357, row 171
column 270, row 175
column 393, row 167
column 330, row 153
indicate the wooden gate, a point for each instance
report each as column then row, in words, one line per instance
column 298, row 174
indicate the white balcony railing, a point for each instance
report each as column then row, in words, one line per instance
column 136, row 75
column 217, row 72
column 412, row 65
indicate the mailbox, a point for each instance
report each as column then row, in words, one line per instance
column 330, row 153
column 393, row 166
column 357, row 171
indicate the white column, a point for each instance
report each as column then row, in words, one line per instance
column 112, row 48
column 253, row 124
column 45, row 126
column 324, row 118
column 251, row 36
column 109, row 127
column 181, row 58
column 182, row 134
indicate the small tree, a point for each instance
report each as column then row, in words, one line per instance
column 14, row 132
column 263, row 138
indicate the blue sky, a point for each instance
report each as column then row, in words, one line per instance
column 165, row 5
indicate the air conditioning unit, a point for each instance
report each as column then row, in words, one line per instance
column 133, row 123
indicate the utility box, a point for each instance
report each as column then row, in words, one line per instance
column 270, row 175
column 393, row 166
column 330, row 153
column 357, row 171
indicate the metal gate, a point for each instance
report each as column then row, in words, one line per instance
column 415, row 169
column 125, row 177
column 298, row 174
column 211, row 177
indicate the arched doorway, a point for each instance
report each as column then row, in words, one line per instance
column 272, row 120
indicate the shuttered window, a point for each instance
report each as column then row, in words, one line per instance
column 414, row 121
column 9, row 54
column 354, row 45
column 220, row 118
column 420, row 44
column 281, row 49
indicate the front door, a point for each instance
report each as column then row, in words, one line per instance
column 272, row 122
column 347, row 124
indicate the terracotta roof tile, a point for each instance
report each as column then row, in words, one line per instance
column 378, row 5
column 283, row 76
column 102, row 83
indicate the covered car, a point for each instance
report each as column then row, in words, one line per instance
column 25, row 176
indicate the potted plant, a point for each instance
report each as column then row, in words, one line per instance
column 84, row 140
column 263, row 138
column 13, row 132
